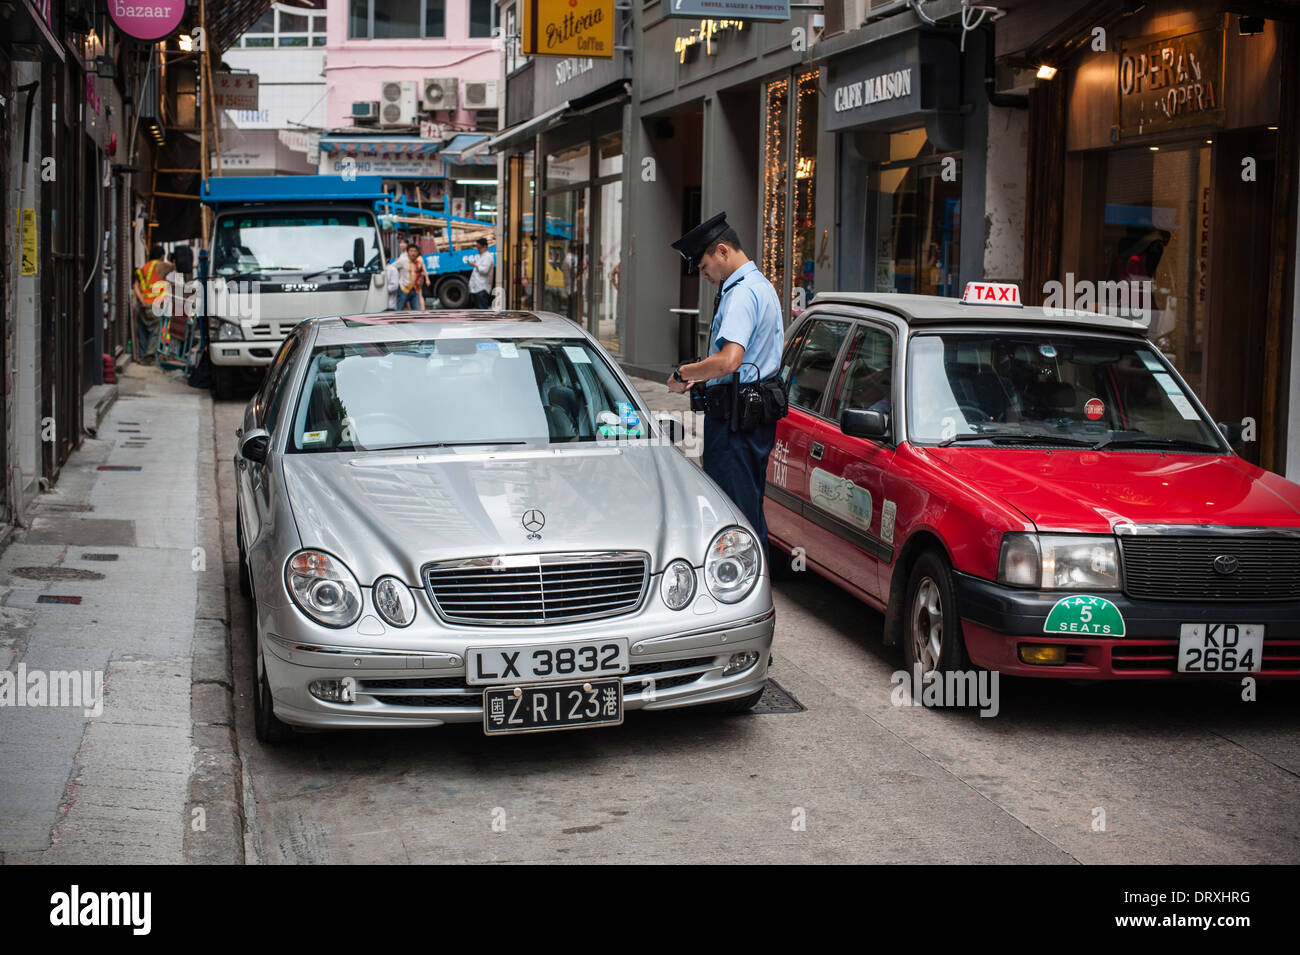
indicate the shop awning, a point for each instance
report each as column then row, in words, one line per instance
column 455, row 150
column 515, row 133
column 376, row 146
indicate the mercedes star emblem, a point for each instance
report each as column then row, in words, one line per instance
column 534, row 521
column 1225, row 564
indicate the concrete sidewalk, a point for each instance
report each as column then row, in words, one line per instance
column 120, row 574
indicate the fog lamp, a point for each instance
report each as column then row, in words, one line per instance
column 1041, row 655
column 334, row 691
column 740, row 661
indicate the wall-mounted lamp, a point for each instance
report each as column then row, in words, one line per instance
column 1046, row 72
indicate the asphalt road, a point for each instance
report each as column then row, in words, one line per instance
column 1120, row 773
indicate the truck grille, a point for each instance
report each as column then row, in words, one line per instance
column 533, row 590
column 1175, row 567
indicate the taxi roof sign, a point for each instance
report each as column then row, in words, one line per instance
column 992, row 293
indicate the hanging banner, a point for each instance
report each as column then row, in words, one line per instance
column 147, row 21
column 569, row 28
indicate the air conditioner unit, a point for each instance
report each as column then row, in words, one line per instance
column 397, row 103
column 844, row 17
column 440, row 92
column 366, row 111
column 880, row 8
column 479, row 95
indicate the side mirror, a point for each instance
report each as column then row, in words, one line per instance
column 1233, row 431
column 255, row 445
column 358, row 252
column 873, row 425
column 671, row 429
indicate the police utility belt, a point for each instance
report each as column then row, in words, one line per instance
column 744, row 407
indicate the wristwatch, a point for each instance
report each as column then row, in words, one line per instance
column 677, row 375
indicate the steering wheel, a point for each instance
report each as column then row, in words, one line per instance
column 379, row 421
column 980, row 414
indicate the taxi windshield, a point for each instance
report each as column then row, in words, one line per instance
column 1044, row 389
column 460, row 391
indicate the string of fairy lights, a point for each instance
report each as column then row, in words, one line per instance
column 776, row 178
column 774, row 173
column 805, row 183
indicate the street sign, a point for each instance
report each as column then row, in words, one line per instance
column 778, row 10
column 569, row 28
column 234, row 90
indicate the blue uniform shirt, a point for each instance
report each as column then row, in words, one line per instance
column 749, row 315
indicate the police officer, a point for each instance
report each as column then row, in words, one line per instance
column 746, row 336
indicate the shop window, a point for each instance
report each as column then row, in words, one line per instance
column 519, row 230
column 564, row 254
column 916, row 196
column 803, row 264
column 775, row 172
column 610, row 158
column 610, row 263
column 1155, row 250
column 568, row 167
column 396, row 19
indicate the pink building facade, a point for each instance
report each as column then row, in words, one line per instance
column 373, row 42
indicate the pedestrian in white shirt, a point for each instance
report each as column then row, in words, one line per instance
column 394, row 284
column 480, row 280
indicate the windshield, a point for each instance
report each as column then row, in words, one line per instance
column 1008, row 389
column 452, row 391
column 254, row 243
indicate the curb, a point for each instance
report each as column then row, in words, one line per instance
column 214, row 829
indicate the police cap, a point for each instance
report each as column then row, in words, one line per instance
column 695, row 243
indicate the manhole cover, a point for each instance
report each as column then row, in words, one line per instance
column 99, row 557
column 777, row 699
column 56, row 573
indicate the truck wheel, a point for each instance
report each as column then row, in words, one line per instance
column 453, row 292
column 932, row 633
column 223, row 383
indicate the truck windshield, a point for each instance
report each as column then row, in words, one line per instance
column 251, row 243
column 457, row 391
column 1039, row 389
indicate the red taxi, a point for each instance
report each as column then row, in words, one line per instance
column 1032, row 491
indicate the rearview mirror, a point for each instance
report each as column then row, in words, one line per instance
column 873, row 425
column 1233, row 431
column 358, row 252
column 255, row 445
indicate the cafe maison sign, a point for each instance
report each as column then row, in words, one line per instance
column 583, row 28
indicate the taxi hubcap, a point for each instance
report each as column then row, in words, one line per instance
column 927, row 625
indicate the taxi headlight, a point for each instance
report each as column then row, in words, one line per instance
column 678, row 586
column 393, row 600
column 732, row 565
column 1059, row 562
column 323, row 588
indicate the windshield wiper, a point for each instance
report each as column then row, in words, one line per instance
column 1152, row 440
column 1017, row 436
column 444, row 444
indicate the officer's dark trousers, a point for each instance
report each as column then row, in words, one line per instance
column 738, row 462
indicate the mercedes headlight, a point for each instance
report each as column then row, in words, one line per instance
column 678, row 585
column 393, row 600
column 323, row 588
column 732, row 565
column 1059, row 562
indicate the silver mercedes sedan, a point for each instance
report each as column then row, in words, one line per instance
column 453, row 517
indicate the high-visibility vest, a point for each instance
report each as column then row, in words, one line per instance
column 152, row 284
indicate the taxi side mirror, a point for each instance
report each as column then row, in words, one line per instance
column 858, row 423
column 255, row 445
column 1233, row 431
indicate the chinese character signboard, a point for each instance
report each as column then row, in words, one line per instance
column 1171, row 81
column 234, row 90
column 569, row 28
column 778, row 10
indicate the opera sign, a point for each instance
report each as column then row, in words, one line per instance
column 147, row 21
column 569, row 28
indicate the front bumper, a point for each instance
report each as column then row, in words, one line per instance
column 996, row 620
column 422, row 682
column 243, row 354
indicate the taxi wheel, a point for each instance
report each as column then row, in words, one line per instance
column 932, row 634
column 268, row 727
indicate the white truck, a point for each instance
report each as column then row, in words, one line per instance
column 286, row 248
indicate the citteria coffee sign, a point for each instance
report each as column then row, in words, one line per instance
column 569, row 28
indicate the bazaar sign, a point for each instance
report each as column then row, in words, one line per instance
column 147, row 21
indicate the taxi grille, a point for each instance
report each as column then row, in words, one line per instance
column 533, row 590
column 1182, row 568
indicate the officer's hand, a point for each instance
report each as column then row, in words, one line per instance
column 677, row 387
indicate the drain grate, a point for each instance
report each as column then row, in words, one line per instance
column 777, row 699
column 99, row 556
column 56, row 573
column 57, row 599
column 118, row 467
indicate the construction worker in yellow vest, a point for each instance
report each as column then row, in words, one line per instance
column 150, row 287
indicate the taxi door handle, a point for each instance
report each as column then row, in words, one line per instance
column 817, row 451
